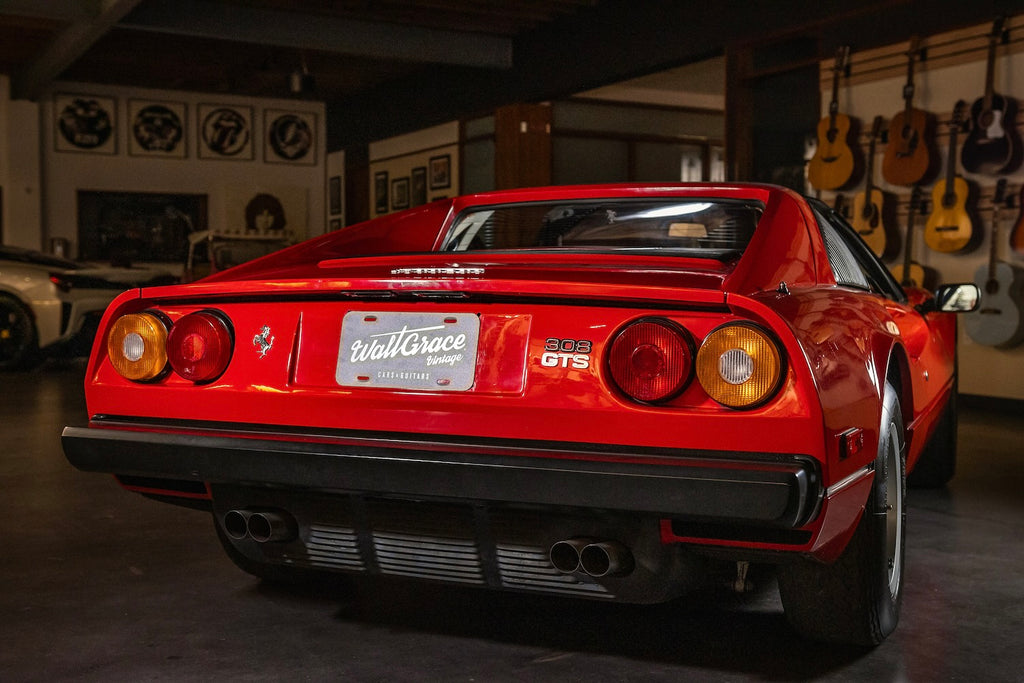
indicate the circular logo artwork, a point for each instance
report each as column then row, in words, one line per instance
column 85, row 124
column 290, row 137
column 225, row 132
column 157, row 129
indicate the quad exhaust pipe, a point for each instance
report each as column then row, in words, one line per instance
column 262, row 526
column 594, row 558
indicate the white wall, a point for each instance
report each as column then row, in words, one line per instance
column 19, row 171
column 228, row 182
column 939, row 84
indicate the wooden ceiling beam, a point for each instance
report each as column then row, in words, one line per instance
column 67, row 46
column 324, row 33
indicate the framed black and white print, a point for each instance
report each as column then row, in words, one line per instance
column 418, row 186
column 334, row 195
column 85, row 123
column 157, row 129
column 290, row 137
column 380, row 191
column 440, row 172
column 225, row 131
column 400, row 193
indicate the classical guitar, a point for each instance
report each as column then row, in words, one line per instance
column 911, row 273
column 997, row 322
column 868, row 216
column 833, row 163
column 949, row 227
column 1017, row 234
column 909, row 157
column 992, row 145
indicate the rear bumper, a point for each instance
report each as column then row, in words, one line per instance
column 782, row 491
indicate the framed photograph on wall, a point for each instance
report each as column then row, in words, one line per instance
column 289, row 137
column 440, row 172
column 334, row 195
column 400, row 193
column 157, row 129
column 418, row 186
column 225, row 131
column 380, row 191
column 85, row 123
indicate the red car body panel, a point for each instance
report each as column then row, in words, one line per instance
column 839, row 345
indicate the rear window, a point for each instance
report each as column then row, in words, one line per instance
column 710, row 228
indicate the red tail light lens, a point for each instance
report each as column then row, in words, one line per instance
column 651, row 360
column 199, row 346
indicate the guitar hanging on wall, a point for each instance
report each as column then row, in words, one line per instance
column 833, row 163
column 992, row 145
column 911, row 273
column 869, row 206
column 909, row 157
column 997, row 322
column 1017, row 234
column 949, row 227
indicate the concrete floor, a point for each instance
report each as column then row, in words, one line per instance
column 97, row 584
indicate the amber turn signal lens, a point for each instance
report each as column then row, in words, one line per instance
column 739, row 365
column 199, row 346
column 651, row 360
column 137, row 346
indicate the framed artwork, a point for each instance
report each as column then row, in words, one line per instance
column 418, row 186
column 334, row 195
column 225, row 131
column 400, row 193
column 380, row 191
column 85, row 123
column 157, row 129
column 440, row 172
column 289, row 138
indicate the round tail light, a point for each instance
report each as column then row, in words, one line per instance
column 199, row 346
column 651, row 360
column 136, row 346
column 739, row 365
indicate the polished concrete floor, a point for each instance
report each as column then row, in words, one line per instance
column 97, row 584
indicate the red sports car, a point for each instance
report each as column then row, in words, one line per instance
column 611, row 392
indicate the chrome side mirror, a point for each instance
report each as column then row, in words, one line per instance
column 957, row 298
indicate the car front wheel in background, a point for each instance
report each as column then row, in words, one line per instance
column 856, row 600
column 18, row 342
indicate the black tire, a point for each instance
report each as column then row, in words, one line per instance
column 937, row 463
column 856, row 600
column 19, row 343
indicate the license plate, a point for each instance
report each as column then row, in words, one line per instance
column 425, row 351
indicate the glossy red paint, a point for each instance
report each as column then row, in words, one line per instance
column 839, row 345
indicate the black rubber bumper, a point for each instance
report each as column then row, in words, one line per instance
column 778, row 490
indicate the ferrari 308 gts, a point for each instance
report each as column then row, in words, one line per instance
column 612, row 392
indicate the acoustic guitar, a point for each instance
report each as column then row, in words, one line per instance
column 909, row 157
column 833, row 163
column 992, row 145
column 1017, row 234
column 997, row 322
column 949, row 227
column 911, row 273
column 868, row 206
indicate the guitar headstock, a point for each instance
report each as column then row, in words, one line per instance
column 842, row 55
column 876, row 127
column 999, row 31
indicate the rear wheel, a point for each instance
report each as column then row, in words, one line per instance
column 18, row 342
column 856, row 599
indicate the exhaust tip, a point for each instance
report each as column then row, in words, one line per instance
column 565, row 555
column 267, row 526
column 236, row 523
column 606, row 558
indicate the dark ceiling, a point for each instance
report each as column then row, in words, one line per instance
column 389, row 66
